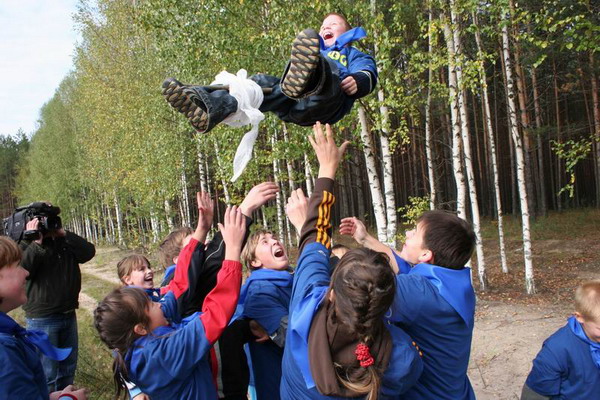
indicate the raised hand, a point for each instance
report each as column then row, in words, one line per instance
column 233, row 230
column 328, row 154
column 205, row 215
column 354, row 227
column 296, row 209
column 258, row 196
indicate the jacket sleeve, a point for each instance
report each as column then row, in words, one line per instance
column 221, row 302
column 546, row 373
column 363, row 69
column 33, row 256
column 317, row 227
column 82, row 250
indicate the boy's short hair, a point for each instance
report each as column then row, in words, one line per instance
column 451, row 239
column 10, row 252
column 249, row 252
column 348, row 26
column 170, row 247
column 129, row 264
column 587, row 300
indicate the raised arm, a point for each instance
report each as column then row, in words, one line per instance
column 221, row 302
column 354, row 227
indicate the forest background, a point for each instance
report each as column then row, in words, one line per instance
column 488, row 109
column 483, row 108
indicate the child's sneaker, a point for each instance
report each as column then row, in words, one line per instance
column 183, row 100
column 303, row 63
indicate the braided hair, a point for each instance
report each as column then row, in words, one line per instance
column 115, row 319
column 364, row 286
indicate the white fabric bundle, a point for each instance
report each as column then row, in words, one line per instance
column 249, row 96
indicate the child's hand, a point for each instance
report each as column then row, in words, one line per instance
column 297, row 209
column 233, row 230
column 349, row 86
column 354, row 227
column 80, row 394
column 328, row 154
column 205, row 216
column 260, row 334
column 258, row 196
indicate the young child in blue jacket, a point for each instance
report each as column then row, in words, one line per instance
column 324, row 77
column 164, row 358
column 568, row 365
column 435, row 301
column 265, row 298
column 21, row 372
column 339, row 344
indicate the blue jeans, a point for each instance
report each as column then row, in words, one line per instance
column 62, row 331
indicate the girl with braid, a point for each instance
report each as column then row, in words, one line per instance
column 339, row 344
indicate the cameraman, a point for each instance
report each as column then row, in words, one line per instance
column 54, row 282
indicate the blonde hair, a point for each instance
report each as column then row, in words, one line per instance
column 10, row 252
column 587, row 300
column 129, row 264
column 249, row 252
column 170, row 247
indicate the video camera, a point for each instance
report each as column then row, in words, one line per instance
column 15, row 225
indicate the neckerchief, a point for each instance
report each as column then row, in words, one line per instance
column 578, row 331
column 332, row 343
column 37, row 338
column 277, row 278
column 454, row 285
column 345, row 38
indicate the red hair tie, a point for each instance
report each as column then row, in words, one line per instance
column 364, row 355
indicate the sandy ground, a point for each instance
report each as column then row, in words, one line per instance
column 506, row 339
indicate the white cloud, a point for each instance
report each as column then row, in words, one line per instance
column 38, row 41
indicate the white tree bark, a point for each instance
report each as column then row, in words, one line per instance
column 168, row 216
column 512, row 111
column 308, row 175
column 490, row 132
column 201, row 164
column 459, row 176
column 466, row 139
column 220, row 165
column 428, row 137
column 386, row 155
column 120, row 238
column 279, row 202
column 154, row 223
column 373, row 176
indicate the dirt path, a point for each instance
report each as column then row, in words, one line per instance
column 505, row 341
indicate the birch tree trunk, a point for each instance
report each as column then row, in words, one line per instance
column 155, row 227
column 290, row 167
column 490, row 133
column 428, row 138
column 373, row 176
column 279, row 202
column 512, row 110
column 386, row 155
column 456, row 125
column 466, row 139
column 308, row 176
column 220, row 165
column 168, row 216
column 201, row 166
column 120, row 238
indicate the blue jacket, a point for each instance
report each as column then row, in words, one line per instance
column 21, row 372
column 435, row 306
column 267, row 298
column 564, row 369
column 311, row 281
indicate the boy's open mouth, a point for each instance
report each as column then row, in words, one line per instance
column 327, row 35
column 279, row 252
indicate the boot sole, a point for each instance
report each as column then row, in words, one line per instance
column 303, row 62
column 182, row 100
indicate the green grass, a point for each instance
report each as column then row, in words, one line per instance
column 572, row 224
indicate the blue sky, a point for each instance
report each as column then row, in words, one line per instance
column 37, row 42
